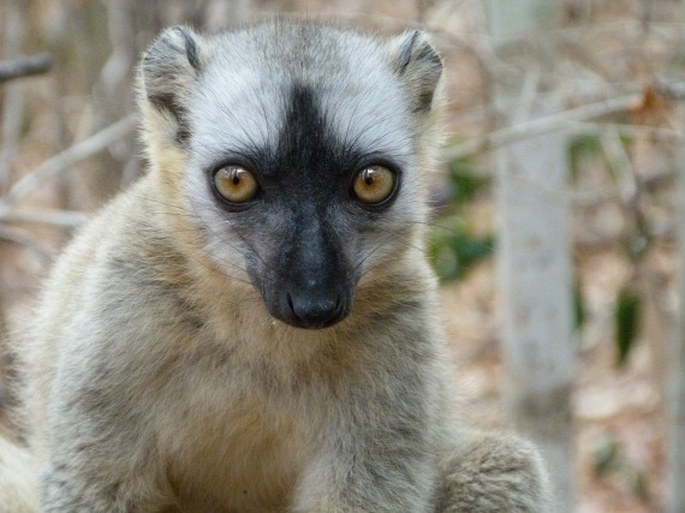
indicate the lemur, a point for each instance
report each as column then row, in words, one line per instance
column 252, row 327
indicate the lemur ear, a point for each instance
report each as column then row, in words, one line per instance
column 168, row 71
column 418, row 65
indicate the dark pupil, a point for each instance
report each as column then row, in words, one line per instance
column 235, row 177
column 368, row 177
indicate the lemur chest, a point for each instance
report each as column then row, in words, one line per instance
column 236, row 450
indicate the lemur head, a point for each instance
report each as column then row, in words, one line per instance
column 294, row 149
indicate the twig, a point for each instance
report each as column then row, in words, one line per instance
column 622, row 167
column 655, row 133
column 66, row 159
column 647, row 14
column 14, row 27
column 25, row 66
column 544, row 124
column 47, row 216
column 526, row 99
column 19, row 237
column 671, row 89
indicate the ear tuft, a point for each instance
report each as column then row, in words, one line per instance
column 191, row 49
column 418, row 65
column 168, row 71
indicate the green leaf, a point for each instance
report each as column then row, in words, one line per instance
column 609, row 459
column 465, row 182
column 640, row 485
column 579, row 310
column 454, row 250
column 606, row 457
column 627, row 322
column 582, row 146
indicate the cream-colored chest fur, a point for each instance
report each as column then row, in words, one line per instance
column 237, row 421
column 230, row 442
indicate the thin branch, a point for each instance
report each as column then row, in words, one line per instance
column 14, row 27
column 25, row 66
column 23, row 239
column 526, row 98
column 672, row 89
column 655, row 133
column 622, row 167
column 543, row 124
column 66, row 159
column 54, row 217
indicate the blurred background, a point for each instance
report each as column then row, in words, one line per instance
column 556, row 214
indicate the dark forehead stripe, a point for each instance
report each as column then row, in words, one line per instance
column 310, row 149
column 306, row 145
column 303, row 138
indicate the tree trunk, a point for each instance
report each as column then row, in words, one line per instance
column 13, row 24
column 675, row 403
column 534, row 258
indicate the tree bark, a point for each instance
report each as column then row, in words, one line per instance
column 675, row 403
column 534, row 257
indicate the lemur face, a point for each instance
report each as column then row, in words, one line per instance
column 301, row 158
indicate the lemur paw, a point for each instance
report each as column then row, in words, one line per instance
column 498, row 474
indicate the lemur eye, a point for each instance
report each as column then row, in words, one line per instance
column 374, row 184
column 235, row 184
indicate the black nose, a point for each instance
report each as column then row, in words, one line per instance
column 314, row 311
